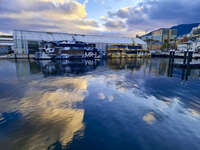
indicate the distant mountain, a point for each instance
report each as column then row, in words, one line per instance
column 181, row 29
column 184, row 28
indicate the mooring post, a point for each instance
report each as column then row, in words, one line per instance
column 190, row 54
column 15, row 57
column 28, row 56
column 171, row 61
column 185, row 57
column 170, row 57
column 173, row 56
column 183, row 74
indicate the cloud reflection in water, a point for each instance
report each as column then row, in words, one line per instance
column 50, row 115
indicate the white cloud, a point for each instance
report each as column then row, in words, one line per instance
column 47, row 15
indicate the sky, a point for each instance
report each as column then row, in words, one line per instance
column 105, row 17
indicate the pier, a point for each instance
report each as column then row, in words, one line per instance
column 176, row 55
column 15, row 56
column 187, row 64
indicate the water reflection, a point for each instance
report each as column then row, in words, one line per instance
column 67, row 67
column 113, row 104
column 49, row 112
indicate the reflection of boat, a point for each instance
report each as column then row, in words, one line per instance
column 67, row 50
column 126, row 51
column 64, row 67
column 130, row 64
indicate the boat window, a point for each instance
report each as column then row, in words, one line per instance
column 134, row 47
column 113, row 46
column 131, row 52
column 115, row 51
column 122, row 46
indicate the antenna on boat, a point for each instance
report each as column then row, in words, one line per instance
column 73, row 38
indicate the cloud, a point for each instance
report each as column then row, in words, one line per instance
column 46, row 15
column 115, row 25
column 152, row 14
column 71, row 16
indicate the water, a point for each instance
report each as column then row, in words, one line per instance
column 133, row 105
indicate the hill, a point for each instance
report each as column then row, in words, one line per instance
column 181, row 29
column 184, row 28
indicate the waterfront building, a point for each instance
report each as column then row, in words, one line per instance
column 192, row 39
column 161, row 39
column 155, row 45
column 164, row 34
column 6, row 44
column 26, row 42
column 195, row 33
column 182, row 47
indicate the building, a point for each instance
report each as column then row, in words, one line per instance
column 155, row 45
column 26, row 42
column 6, row 44
column 182, row 47
column 164, row 34
column 195, row 33
column 163, row 38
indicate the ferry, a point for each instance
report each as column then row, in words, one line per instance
column 127, row 51
column 67, row 50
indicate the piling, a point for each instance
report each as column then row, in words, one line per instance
column 171, row 63
column 185, row 57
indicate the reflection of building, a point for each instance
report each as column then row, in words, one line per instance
column 6, row 43
column 26, row 68
column 26, row 42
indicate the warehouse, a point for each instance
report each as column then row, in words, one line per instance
column 6, row 44
column 26, row 42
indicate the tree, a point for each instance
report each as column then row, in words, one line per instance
column 166, row 45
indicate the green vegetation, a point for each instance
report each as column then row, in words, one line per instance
column 166, row 45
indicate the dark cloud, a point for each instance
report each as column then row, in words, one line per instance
column 183, row 11
column 151, row 14
column 114, row 24
column 9, row 23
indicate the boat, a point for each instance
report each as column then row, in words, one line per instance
column 46, row 51
column 67, row 50
column 127, row 51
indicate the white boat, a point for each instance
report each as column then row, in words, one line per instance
column 67, row 50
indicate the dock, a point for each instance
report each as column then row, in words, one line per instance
column 177, row 55
column 14, row 56
column 187, row 62
column 192, row 65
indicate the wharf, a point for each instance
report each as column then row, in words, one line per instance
column 177, row 55
column 12, row 56
column 192, row 65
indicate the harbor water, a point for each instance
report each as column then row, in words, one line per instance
column 136, row 104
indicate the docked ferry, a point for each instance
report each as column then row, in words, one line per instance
column 126, row 51
column 67, row 50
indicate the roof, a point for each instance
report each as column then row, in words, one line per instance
column 139, row 41
column 6, row 39
column 6, row 44
column 53, row 36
